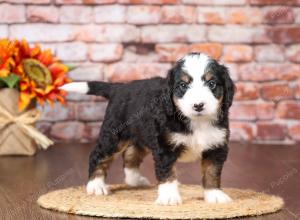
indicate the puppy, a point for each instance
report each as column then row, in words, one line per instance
column 183, row 117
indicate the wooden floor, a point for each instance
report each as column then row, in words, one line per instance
column 273, row 169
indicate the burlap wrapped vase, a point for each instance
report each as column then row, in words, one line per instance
column 17, row 133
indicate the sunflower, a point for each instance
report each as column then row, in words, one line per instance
column 41, row 73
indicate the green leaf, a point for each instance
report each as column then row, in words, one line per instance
column 10, row 81
column 71, row 67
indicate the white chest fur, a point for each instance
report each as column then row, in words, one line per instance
column 204, row 137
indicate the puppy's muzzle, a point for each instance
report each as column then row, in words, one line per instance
column 198, row 107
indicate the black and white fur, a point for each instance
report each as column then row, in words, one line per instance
column 183, row 117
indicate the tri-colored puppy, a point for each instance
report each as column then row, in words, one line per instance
column 183, row 117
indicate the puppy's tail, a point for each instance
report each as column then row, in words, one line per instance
column 91, row 88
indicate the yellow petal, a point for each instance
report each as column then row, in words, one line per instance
column 24, row 100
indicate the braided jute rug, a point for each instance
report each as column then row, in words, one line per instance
column 126, row 202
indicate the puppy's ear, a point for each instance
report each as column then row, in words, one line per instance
column 229, row 87
column 171, row 78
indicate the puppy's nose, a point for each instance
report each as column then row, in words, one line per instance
column 198, row 107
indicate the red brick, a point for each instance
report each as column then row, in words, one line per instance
column 294, row 132
column 68, row 2
column 238, row 53
column 278, row 15
column 225, row 15
column 91, row 111
column 261, row 35
column 269, row 72
column 88, row 72
column 91, row 132
column 270, row 131
column 109, row 14
column 140, row 53
column 297, row 90
column 215, row 2
column 171, row 52
column 178, row 14
column 241, row 111
column 231, row 34
column 297, row 15
column 148, row 2
column 252, row 111
column 12, row 13
column 124, row 72
column 105, row 52
column 143, row 14
column 241, row 131
column 273, row 2
column 42, row 14
column 75, row 51
column 265, row 110
column 75, row 14
column 3, row 31
column 72, row 2
column 58, row 112
column 244, row 16
column 212, row 49
column 276, row 91
column 172, row 33
column 284, row 35
column 67, row 131
column 97, row 2
column 233, row 70
column 108, row 33
column 269, row 53
column 246, row 91
column 28, row 1
column 293, row 53
column 43, row 32
column 211, row 15
column 288, row 110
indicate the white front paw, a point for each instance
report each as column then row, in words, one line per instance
column 216, row 196
column 134, row 178
column 97, row 186
column 168, row 194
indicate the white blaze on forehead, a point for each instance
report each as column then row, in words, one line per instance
column 195, row 65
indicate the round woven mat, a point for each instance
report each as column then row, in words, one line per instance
column 125, row 202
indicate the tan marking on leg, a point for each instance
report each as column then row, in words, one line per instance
column 210, row 174
column 133, row 156
column 102, row 167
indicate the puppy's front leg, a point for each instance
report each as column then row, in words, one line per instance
column 212, row 164
column 168, row 193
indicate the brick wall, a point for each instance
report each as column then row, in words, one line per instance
column 119, row 40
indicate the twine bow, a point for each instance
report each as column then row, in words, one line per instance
column 24, row 122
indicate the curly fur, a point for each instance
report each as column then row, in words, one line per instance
column 145, row 113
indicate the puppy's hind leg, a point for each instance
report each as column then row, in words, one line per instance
column 133, row 157
column 99, row 162
column 98, row 166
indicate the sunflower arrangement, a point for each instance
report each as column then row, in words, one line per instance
column 36, row 73
column 28, row 75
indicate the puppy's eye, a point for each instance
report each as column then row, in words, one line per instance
column 183, row 85
column 212, row 84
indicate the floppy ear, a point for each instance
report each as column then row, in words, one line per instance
column 171, row 78
column 229, row 87
column 168, row 92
